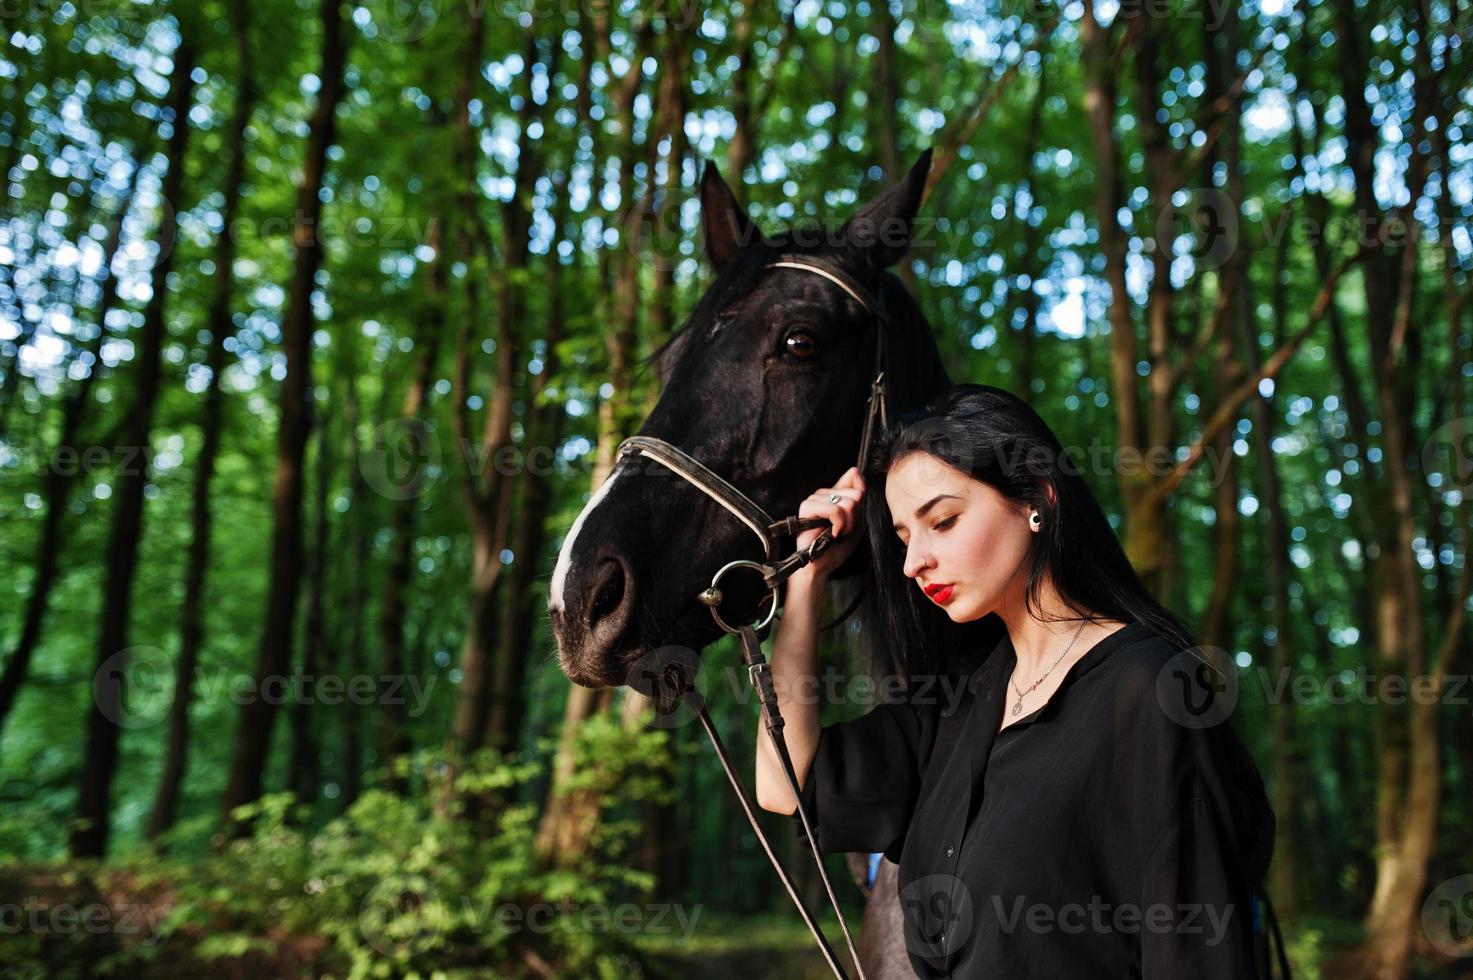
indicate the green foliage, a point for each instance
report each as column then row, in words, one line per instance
column 397, row 886
column 1305, row 950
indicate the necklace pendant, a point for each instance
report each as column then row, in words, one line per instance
column 1017, row 708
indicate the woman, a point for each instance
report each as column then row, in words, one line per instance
column 1075, row 806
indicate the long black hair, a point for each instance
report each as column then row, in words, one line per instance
column 993, row 436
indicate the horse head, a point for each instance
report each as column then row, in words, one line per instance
column 767, row 385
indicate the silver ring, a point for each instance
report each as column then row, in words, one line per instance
column 834, row 498
column 760, row 569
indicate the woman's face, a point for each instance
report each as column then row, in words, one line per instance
column 957, row 532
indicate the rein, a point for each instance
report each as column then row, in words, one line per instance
column 774, row 572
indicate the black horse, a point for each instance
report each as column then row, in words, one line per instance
column 766, row 384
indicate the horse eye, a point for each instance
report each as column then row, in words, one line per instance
column 801, row 344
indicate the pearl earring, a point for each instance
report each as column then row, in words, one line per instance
column 1035, row 520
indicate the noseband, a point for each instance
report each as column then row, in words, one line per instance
column 774, row 572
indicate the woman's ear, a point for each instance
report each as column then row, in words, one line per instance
column 1049, row 494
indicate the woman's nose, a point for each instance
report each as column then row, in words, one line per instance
column 915, row 561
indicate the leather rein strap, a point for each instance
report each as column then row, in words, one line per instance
column 774, row 572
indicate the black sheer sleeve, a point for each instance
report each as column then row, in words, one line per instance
column 1198, row 827
column 1196, row 915
column 862, row 786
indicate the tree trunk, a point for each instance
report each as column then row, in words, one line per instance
column 613, row 414
column 1099, row 103
column 660, row 819
column 1025, row 315
column 887, row 98
column 742, row 148
column 105, row 714
column 212, row 413
column 60, row 478
column 508, row 697
column 1409, row 778
column 1147, row 526
column 393, row 605
column 569, row 816
column 1220, row 40
column 258, row 715
column 16, row 121
column 489, row 493
column 669, row 126
column 354, row 660
column 544, row 429
column 1284, row 764
column 304, row 768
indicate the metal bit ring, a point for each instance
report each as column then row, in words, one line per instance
column 712, row 597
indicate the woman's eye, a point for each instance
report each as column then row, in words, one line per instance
column 801, row 344
column 945, row 524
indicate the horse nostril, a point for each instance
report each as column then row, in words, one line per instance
column 608, row 592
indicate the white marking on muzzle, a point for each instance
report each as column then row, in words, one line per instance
column 565, row 555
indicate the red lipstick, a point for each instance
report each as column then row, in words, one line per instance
column 940, row 594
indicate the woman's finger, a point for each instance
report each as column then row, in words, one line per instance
column 841, row 513
column 833, row 513
column 818, row 506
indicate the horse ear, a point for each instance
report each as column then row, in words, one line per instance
column 882, row 229
column 724, row 223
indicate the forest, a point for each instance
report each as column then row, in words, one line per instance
column 321, row 321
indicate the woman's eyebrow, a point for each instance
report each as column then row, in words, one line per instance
column 922, row 510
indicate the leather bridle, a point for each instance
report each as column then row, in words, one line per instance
column 774, row 572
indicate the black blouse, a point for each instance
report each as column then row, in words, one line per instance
column 1109, row 833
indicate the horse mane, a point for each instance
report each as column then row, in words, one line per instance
column 915, row 369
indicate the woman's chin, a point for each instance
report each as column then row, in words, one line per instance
column 966, row 613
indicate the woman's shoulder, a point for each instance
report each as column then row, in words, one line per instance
column 1137, row 654
column 1138, row 641
column 1152, row 673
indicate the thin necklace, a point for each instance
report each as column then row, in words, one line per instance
column 1022, row 694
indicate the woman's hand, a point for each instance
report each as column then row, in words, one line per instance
column 845, row 518
column 795, row 644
